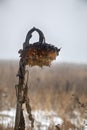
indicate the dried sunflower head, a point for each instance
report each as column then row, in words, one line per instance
column 39, row 53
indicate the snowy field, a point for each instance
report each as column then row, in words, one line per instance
column 42, row 119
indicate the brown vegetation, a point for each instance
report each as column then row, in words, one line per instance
column 49, row 88
column 54, row 85
column 5, row 128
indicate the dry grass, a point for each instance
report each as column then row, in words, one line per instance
column 49, row 88
column 5, row 128
column 55, row 85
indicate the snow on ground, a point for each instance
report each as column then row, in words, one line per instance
column 85, row 124
column 46, row 118
column 7, row 117
column 78, row 121
column 42, row 118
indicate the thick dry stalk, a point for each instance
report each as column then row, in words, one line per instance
column 19, row 90
column 22, row 97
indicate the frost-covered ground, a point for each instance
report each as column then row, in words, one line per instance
column 43, row 119
column 81, row 123
column 7, row 117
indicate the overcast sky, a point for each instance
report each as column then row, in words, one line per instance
column 63, row 22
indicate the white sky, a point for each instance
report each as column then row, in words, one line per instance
column 63, row 22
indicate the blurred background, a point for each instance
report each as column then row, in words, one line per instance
column 62, row 88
